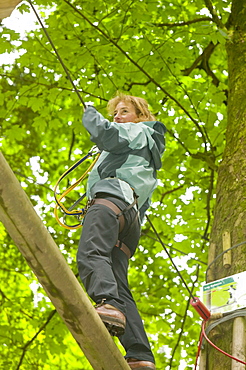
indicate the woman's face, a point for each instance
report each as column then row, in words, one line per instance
column 125, row 112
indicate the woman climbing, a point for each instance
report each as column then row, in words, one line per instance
column 119, row 192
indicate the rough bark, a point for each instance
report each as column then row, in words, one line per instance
column 43, row 256
column 230, row 210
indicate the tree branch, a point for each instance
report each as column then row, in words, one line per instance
column 53, row 86
column 129, row 85
column 99, row 66
column 180, row 24
column 202, row 59
column 214, row 14
column 32, row 181
column 184, row 319
column 206, row 67
column 169, row 192
column 180, row 142
column 125, row 17
column 112, row 41
column 25, row 348
column 145, row 233
column 208, row 157
column 201, row 130
column 202, row 62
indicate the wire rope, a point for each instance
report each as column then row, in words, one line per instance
column 57, row 54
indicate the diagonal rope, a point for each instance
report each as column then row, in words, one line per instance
column 57, row 54
column 171, row 259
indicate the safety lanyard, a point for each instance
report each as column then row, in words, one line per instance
column 79, row 213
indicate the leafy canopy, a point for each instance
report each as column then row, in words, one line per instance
column 172, row 54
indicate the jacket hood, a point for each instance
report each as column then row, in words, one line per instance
column 156, row 140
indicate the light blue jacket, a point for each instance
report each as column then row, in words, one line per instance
column 131, row 155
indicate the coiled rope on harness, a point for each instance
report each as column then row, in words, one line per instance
column 79, row 213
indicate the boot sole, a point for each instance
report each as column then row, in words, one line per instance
column 141, row 368
column 134, row 365
column 115, row 328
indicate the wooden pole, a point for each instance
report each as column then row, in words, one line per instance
column 226, row 240
column 238, row 343
column 47, row 262
column 203, row 359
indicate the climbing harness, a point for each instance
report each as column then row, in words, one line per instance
column 70, row 211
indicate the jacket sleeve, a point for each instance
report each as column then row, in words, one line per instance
column 111, row 136
column 144, row 208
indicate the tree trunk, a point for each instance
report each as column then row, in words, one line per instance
column 230, row 210
column 50, row 267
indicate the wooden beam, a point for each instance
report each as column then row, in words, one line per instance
column 203, row 359
column 47, row 262
column 7, row 6
column 238, row 343
column 226, row 241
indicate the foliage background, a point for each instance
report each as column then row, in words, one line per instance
column 172, row 54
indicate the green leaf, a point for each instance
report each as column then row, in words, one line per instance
column 35, row 103
column 15, row 133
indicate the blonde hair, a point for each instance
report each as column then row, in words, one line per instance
column 140, row 105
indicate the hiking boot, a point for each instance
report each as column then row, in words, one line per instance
column 113, row 319
column 140, row 365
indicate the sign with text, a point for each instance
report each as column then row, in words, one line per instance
column 225, row 295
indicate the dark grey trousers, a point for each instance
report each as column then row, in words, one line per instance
column 103, row 269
